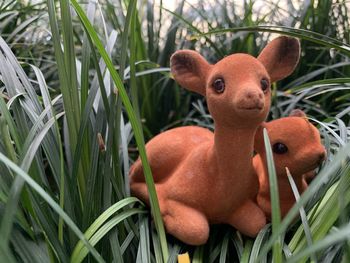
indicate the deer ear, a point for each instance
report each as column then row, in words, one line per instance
column 190, row 70
column 297, row 113
column 280, row 57
column 259, row 145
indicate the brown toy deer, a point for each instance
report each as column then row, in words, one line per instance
column 296, row 144
column 204, row 178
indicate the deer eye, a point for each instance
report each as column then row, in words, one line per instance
column 279, row 148
column 264, row 85
column 219, row 85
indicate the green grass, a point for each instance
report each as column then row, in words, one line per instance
column 79, row 98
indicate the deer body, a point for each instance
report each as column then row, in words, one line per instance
column 205, row 178
column 212, row 175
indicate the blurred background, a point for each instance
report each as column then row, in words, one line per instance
column 166, row 26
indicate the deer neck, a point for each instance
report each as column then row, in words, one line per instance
column 233, row 151
column 284, row 188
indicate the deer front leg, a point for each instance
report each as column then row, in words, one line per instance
column 185, row 223
column 248, row 219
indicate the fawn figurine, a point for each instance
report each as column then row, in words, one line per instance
column 296, row 144
column 207, row 178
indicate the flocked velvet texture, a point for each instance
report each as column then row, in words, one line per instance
column 304, row 154
column 207, row 178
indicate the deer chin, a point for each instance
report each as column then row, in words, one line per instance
column 314, row 165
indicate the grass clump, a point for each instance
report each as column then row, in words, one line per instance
column 78, row 97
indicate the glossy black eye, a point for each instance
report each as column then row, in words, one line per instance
column 264, row 85
column 279, row 148
column 219, row 85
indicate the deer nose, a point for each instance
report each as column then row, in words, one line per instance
column 322, row 156
column 255, row 95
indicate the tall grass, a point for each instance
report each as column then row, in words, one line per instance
column 78, row 100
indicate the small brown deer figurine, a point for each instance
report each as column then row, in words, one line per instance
column 296, row 144
column 204, row 178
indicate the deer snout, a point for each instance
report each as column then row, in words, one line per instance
column 251, row 99
column 318, row 155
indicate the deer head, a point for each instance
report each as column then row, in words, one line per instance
column 237, row 88
column 295, row 143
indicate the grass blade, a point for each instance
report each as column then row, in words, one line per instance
column 262, row 236
column 275, row 205
column 283, row 30
column 302, row 214
column 101, row 220
column 81, row 254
